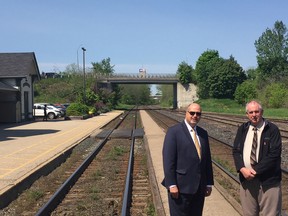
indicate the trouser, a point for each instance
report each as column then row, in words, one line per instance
column 256, row 199
column 186, row 204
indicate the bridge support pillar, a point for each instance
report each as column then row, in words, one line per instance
column 186, row 94
column 175, row 96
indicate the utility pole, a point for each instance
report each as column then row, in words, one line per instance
column 84, row 78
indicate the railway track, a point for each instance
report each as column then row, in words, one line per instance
column 106, row 175
column 236, row 121
column 114, row 183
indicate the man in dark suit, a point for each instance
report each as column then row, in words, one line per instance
column 188, row 174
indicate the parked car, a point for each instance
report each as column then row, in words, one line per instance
column 52, row 111
column 61, row 108
column 66, row 105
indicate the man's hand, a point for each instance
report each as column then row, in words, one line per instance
column 174, row 192
column 248, row 174
column 208, row 191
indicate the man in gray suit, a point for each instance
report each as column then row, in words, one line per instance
column 188, row 174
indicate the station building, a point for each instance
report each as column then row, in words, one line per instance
column 18, row 72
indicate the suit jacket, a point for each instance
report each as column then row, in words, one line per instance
column 182, row 166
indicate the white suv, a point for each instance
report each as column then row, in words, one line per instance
column 52, row 112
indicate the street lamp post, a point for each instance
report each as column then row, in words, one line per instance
column 84, row 79
column 78, row 68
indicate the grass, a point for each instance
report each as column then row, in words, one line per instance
column 225, row 165
column 115, row 152
column 35, row 194
column 95, row 193
column 231, row 107
column 97, row 175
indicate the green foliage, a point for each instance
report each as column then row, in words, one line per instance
column 103, row 68
column 135, row 94
column 245, row 92
column 185, row 73
column 77, row 109
column 221, row 105
column 232, row 107
column 35, row 194
column 274, row 95
column 167, row 95
column 253, row 74
column 116, row 151
column 205, row 66
column 70, row 89
column 91, row 97
column 58, row 90
column 217, row 77
column 272, row 49
column 225, row 79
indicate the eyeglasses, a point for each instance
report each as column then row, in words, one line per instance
column 193, row 113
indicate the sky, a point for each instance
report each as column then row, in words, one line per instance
column 156, row 35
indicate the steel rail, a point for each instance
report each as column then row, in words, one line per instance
column 226, row 171
column 129, row 177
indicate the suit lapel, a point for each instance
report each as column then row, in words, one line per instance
column 187, row 132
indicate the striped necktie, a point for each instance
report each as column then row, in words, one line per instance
column 196, row 143
column 253, row 160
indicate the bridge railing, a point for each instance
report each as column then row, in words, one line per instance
column 139, row 76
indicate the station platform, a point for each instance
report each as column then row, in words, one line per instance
column 25, row 148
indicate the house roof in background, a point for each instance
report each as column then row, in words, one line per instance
column 18, row 65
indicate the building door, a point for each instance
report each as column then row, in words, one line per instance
column 26, row 106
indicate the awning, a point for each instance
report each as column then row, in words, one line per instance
column 6, row 87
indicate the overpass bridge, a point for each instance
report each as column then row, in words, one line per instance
column 182, row 94
column 140, row 78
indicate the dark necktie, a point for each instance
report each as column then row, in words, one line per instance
column 254, row 147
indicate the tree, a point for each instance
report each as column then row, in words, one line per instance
column 135, row 94
column 71, row 69
column 272, row 49
column 103, row 68
column 225, row 79
column 252, row 74
column 185, row 73
column 205, row 66
column 245, row 92
column 167, row 95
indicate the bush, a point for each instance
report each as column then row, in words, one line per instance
column 77, row 109
column 245, row 92
column 275, row 95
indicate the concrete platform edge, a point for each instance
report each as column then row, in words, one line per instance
column 13, row 192
column 159, row 208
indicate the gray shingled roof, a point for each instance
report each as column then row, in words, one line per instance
column 18, row 65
